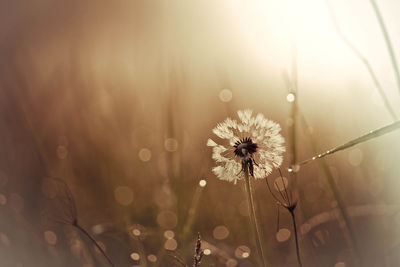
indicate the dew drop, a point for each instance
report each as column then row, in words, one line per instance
column 203, row 183
column 290, row 97
column 135, row 256
column 207, row 251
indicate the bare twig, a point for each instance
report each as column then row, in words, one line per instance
column 288, row 203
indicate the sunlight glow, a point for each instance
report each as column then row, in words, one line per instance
column 281, row 26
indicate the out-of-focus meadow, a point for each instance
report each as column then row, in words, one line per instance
column 118, row 98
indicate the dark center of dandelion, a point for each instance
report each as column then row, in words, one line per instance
column 245, row 147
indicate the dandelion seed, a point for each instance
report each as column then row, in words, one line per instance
column 254, row 143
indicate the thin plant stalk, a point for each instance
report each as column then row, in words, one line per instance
column 387, row 41
column 337, row 196
column 370, row 135
column 94, row 242
column 296, row 237
column 70, row 214
column 363, row 59
column 294, row 108
column 192, row 211
column 294, row 112
column 253, row 217
column 288, row 203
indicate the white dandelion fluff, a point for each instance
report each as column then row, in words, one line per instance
column 254, row 143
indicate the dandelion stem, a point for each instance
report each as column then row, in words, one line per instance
column 94, row 242
column 372, row 134
column 296, row 238
column 253, row 218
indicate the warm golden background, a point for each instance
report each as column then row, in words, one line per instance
column 118, row 98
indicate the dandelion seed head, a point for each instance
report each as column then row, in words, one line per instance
column 253, row 138
column 211, row 143
column 244, row 147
